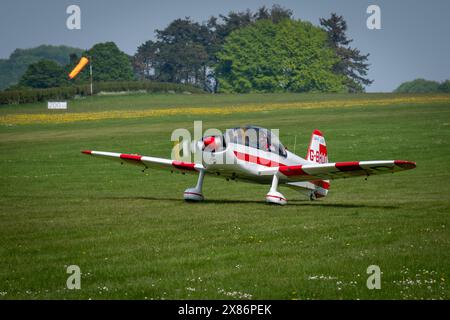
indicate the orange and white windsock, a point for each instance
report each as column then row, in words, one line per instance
column 83, row 62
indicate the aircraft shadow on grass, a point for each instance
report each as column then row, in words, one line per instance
column 300, row 203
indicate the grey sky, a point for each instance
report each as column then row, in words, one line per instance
column 413, row 42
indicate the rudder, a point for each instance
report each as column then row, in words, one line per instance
column 317, row 153
column 317, row 150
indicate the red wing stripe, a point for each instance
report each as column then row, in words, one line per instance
column 184, row 165
column 86, row 151
column 292, row 171
column 348, row 166
column 130, row 157
column 255, row 159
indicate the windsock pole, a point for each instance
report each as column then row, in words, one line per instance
column 90, row 71
column 79, row 67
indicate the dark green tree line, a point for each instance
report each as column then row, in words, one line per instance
column 264, row 51
column 108, row 64
column 12, row 69
column 424, row 86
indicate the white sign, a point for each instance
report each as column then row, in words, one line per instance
column 57, row 105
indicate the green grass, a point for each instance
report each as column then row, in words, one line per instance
column 134, row 237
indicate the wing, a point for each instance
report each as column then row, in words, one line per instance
column 339, row 170
column 147, row 162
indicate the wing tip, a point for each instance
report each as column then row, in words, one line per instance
column 404, row 164
column 86, row 151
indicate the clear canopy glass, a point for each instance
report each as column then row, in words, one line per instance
column 256, row 137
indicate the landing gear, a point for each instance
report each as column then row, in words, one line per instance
column 274, row 196
column 312, row 196
column 195, row 194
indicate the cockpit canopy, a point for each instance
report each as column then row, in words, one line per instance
column 256, row 137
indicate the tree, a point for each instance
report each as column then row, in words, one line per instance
column 226, row 24
column 183, row 51
column 145, row 60
column 186, row 51
column 43, row 74
column 108, row 64
column 180, row 54
column 220, row 28
column 351, row 64
column 419, row 86
column 278, row 14
column 445, row 86
column 277, row 57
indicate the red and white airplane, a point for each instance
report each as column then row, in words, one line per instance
column 255, row 154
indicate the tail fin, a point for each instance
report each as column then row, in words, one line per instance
column 317, row 150
column 317, row 153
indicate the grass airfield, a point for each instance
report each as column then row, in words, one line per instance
column 134, row 237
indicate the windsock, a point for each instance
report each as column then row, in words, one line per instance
column 83, row 62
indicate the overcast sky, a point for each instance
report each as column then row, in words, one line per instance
column 414, row 40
